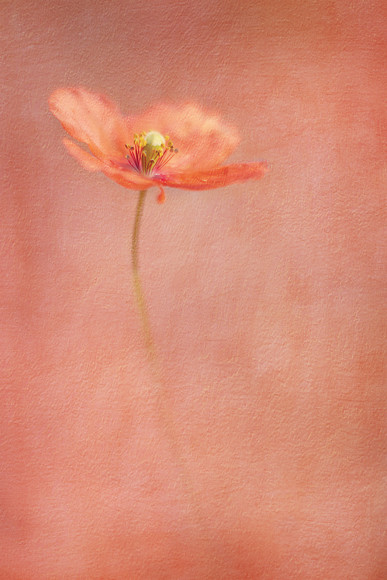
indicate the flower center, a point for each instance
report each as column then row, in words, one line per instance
column 150, row 152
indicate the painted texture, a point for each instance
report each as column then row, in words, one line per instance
column 266, row 301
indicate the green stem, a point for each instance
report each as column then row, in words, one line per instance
column 139, row 295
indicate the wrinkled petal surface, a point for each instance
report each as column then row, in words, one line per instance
column 128, row 179
column 217, row 177
column 87, row 161
column 121, row 175
column 91, row 119
column 202, row 140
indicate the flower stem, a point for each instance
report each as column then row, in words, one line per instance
column 162, row 392
column 139, row 295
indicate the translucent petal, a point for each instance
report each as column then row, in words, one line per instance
column 217, row 177
column 202, row 140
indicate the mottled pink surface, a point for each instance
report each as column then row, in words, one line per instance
column 266, row 301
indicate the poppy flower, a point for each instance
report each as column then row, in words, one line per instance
column 172, row 146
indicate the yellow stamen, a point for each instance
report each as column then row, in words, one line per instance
column 151, row 152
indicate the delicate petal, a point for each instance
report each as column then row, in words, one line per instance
column 217, row 177
column 92, row 119
column 202, row 140
column 87, row 161
column 122, row 175
column 127, row 178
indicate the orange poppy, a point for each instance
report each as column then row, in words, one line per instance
column 175, row 146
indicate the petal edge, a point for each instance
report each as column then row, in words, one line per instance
column 217, row 177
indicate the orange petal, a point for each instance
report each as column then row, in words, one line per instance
column 127, row 178
column 90, row 118
column 218, row 177
column 87, row 161
column 203, row 140
column 121, row 175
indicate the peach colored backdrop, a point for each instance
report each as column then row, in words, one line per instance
column 265, row 300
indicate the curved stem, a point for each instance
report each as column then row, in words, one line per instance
column 139, row 295
column 162, row 392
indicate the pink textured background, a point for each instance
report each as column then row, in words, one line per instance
column 265, row 299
